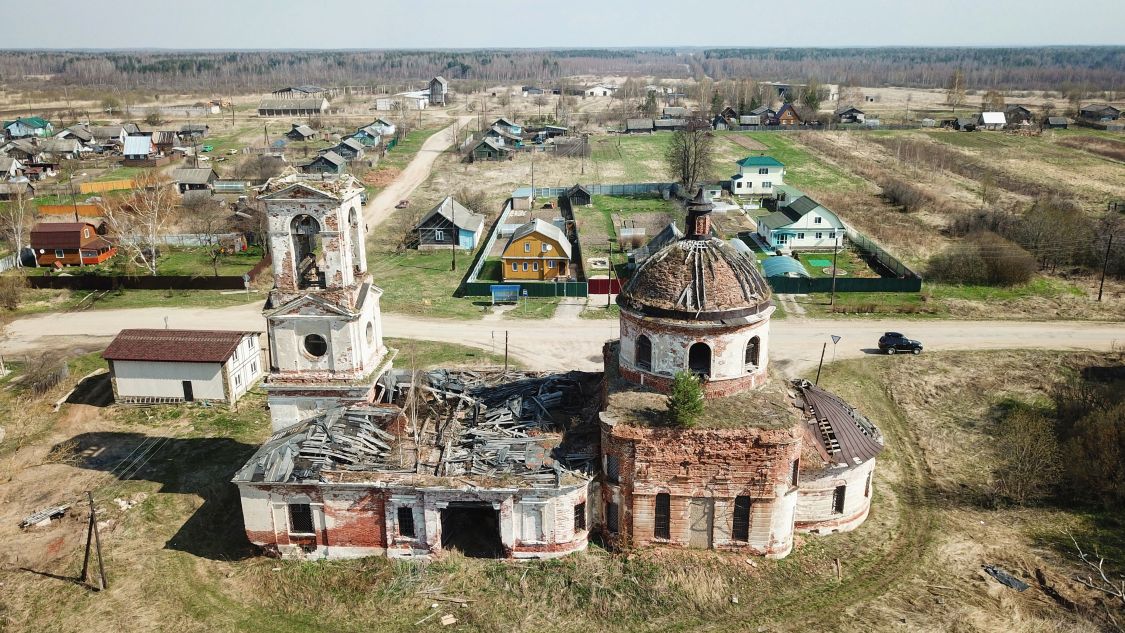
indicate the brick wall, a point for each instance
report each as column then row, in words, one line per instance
column 815, row 509
column 711, row 466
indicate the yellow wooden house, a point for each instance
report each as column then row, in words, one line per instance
column 537, row 251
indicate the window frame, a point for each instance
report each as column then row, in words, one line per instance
column 579, row 517
column 291, row 524
column 527, row 247
column 662, row 516
column 741, row 511
column 407, row 513
column 59, row 253
column 839, row 499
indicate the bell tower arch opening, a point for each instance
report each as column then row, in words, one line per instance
column 304, row 232
column 356, row 230
column 699, row 360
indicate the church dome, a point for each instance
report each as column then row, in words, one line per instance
column 699, row 277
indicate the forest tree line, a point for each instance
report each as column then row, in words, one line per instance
column 1090, row 69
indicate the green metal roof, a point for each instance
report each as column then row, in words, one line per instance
column 31, row 121
column 760, row 161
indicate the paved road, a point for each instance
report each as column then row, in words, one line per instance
column 415, row 173
column 573, row 343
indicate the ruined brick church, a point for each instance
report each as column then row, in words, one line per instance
column 368, row 459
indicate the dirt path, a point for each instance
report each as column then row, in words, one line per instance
column 415, row 174
column 577, row 343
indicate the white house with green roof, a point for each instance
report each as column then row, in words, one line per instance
column 801, row 223
column 757, row 176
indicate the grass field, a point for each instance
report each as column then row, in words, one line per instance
column 177, row 559
column 802, row 168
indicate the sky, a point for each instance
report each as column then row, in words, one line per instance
column 428, row 24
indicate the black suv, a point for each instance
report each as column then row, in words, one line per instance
column 891, row 342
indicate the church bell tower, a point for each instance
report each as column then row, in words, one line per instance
column 323, row 318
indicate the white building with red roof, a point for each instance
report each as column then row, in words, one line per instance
column 157, row 366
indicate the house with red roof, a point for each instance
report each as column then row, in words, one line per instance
column 161, row 366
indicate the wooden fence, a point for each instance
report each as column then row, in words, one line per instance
column 83, row 210
column 108, row 185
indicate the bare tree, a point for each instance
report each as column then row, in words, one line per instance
column 209, row 219
column 1103, row 581
column 690, row 155
column 993, row 101
column 15, row 221
column 138, row 219
column 955, row 92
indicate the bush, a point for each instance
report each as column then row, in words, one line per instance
column 475, row 200
column 1029, row 463
column 685, row 401
column 11, row 290
column 1095, row 456
column 983, row 259
column 908, row 195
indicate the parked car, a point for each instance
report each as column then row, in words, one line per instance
column 891, row 342
column 208, row 148
column 402, row 204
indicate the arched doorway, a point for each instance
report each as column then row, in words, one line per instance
column 699, row 359
column 305, row 234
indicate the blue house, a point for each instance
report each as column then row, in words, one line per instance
column 29, row 126
column 447, row 222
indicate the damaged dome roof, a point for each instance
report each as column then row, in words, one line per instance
column 697, row 277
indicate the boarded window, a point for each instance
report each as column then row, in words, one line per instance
column 300, row 519
column 662, row 518
column 611, row 518
column 612, row 469
column 838, row 499
column 406, row 522
column 794, row 472
column 644, row 353
column 753, row 351
column 580, row 517
column 740, row 530
column 532, row 522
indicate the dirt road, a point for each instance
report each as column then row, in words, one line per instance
column 575, row 343
column 379, row 208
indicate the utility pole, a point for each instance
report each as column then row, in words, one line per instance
column 453, row 215
column 1105, row 266
column 505, row 351
column 835, row 253
column 818, row 367
column 92, row 535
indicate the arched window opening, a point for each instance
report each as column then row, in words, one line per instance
column 644, row 353
column 753, row 351
column 699, row 360
column 305, row 233
column 357, row 241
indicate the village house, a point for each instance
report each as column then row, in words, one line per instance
column 28, row 127
column 368, row 136
column 148, row 366
column 1057, row 122
column 327, row 163
column 757, row 176
column 300, row 132
column 730, row 115
column 523, row 199
column 991, row 121
column 488, row 148
column 438, row 91
column 536, row 251
column 849, row 114
column 415, row 100
column 79, row 132
column 449, row 223
column 349, row 149
column 293, row 107
column 674, row 112
column 786, row 115
column 669, row 125
column 1100, row 112
column 69, row 244
column 194, row 131
column 16, row 190
column 1017, row 115
column 799, row 222
column 599, row 90
column 10, row 168
column 112, row 136
column 503, row 137
column 508, row 126
column 139, row 148
column 194, row 179
column 166, row 141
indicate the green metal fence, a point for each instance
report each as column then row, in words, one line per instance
column 802, row 285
